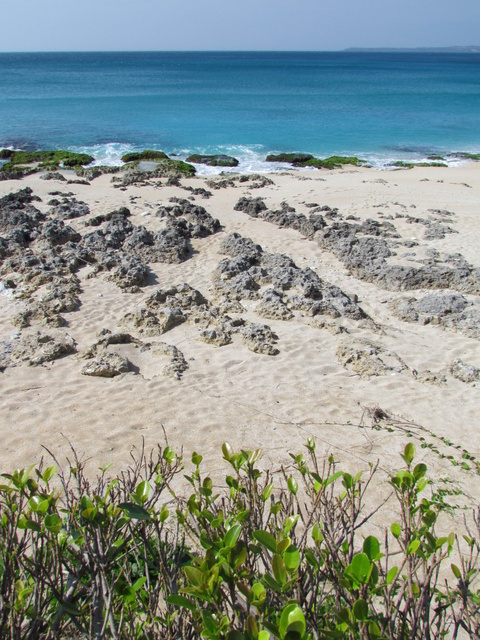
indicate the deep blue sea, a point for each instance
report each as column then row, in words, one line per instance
column 379, row 106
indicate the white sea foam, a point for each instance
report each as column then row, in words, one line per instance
column 251, row 158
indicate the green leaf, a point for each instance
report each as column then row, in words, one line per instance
column 134, row 511
column 232, row 535
column 371, row 547
column 279, row 569
column 48, row 473
column 194, row 576
column 359, row 569
column 181, row 601
column 391, row 575
column 291, row 558
column 265, row 539
column 396, row 530
column 272, row 583
column 53, row 523
column 292, row 486
column 38, row 504
column 456, row 571
column 238, row 555
column 317, row 534
column 267, row 492
column 333, row 477
column 421, row 484
column 258, row 593
column 413, row 547
column 292, row 620
column 163, row 514
column 374, row 630
column 409, row 453
column 419, row 471
column 33, row 526
column 196, row 458
column 142, row 491
column 290, row 522
column 360, row 609
column 227, row 451
column 209, row 623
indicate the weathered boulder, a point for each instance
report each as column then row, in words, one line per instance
column 38, row 347
column 218, row 160
column 106, row 365
column 464, row 372
column 368, row 359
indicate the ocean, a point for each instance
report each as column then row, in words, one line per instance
column 377, row 106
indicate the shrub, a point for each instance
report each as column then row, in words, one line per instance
column 278, row 554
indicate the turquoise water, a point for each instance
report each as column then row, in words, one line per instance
column 379, row 106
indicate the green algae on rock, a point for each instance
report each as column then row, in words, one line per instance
column 218, row 160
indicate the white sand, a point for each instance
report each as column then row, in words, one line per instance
column 250, row 400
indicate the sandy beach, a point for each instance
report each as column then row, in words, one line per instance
column 264, row 347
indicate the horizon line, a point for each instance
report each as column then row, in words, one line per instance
column 352, row 49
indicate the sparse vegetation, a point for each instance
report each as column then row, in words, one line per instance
column 267, row 554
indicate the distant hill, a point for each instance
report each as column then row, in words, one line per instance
column 471, row 49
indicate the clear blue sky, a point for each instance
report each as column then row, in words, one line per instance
column 123, row 25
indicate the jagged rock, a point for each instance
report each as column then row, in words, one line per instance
column 182, row 296
column 90, row 173
column 242, row 277
column 38, row 347
column 53, row 175
column 147, row 323
column 236, row 245
column 201, row 222
column 260, row 339
column 96, row 221
column 368, row 359
column 252, row 206
column 255, row 181
column 55, row 233
column 366, row 257
column 177, row 365
column 69, row 209
column 273, row 307
column 430, row 377
column 107, row 365
column 17, row 212
column 451, row 310
column 464, row 372
column 218, row 337
column 38, row 314
column 130, row 274
column 437, row 231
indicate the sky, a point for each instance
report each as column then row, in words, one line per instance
column 288, row 25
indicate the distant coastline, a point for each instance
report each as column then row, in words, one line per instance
column 471, row 49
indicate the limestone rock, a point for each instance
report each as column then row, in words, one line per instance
column 368, row 359
column 38, row 347
column 464, row 372
column 106, row 365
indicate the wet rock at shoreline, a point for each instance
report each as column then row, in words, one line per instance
column 218, row 160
